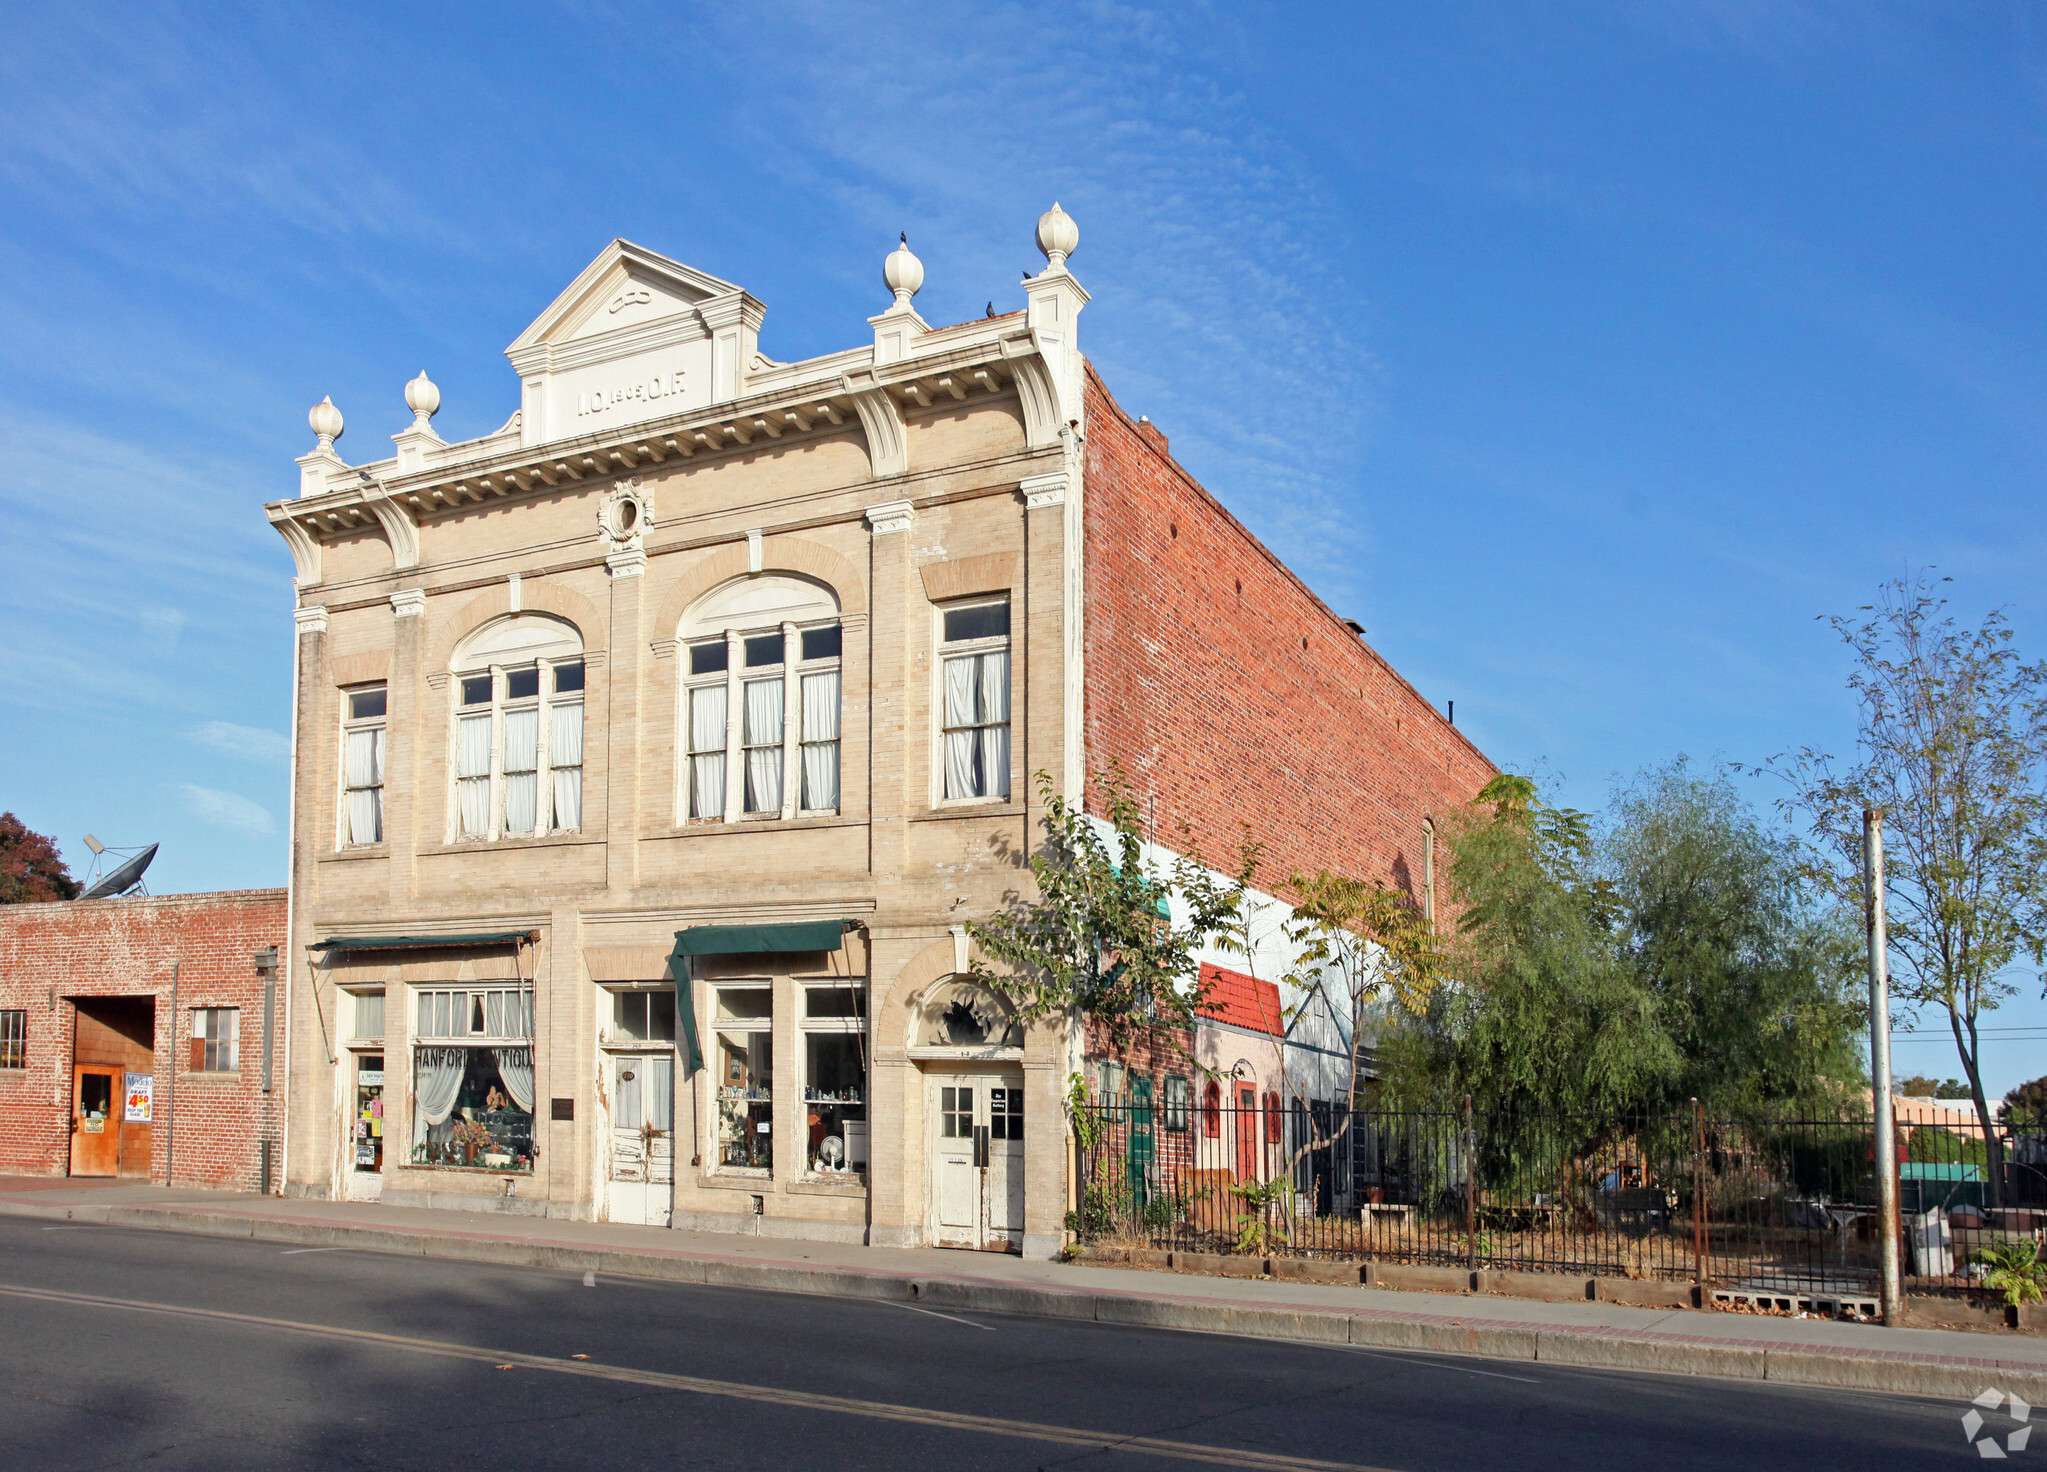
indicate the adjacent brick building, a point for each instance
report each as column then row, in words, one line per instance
column 132, row 1038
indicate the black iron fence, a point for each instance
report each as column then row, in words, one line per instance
column 1747, row 1207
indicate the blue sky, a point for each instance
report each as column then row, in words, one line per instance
column 1585, row 354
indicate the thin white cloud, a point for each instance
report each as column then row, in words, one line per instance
column 250, row 743
column 229, row 810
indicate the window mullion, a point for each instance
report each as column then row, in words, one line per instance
column 497, row 752
column 792, row 730
column 543, row 744
column 735, row 717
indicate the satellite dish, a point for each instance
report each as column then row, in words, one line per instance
column 125, row 876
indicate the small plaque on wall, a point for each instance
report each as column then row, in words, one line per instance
column 562, row 1109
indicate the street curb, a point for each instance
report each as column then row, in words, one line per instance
column 1893, row 1373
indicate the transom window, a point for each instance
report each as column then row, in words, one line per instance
column 362, row 764
column 499, row 1012
column 761, row 700
column 974, row 671
column 519, row 730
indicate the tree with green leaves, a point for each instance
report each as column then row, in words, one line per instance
column 2025, row 1108
column 32, row 872
column 1756, row 979
column 1097, row 940
column 1950, row 748
column 1542, row 1014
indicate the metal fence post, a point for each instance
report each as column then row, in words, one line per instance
column 1470, row 1188
column 1699, row 1199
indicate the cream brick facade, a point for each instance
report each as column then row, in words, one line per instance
column 891, row 480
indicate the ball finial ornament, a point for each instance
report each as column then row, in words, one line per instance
column 423, row 399
column 325, row 421
column 902, row 272
column 1058, row 236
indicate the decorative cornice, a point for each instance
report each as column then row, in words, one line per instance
column 1044, row 490
column 408, row 603
column 890, row 517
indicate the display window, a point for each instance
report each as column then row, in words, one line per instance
column 834, row 1027
column 472, row 1080
column 745, row 1077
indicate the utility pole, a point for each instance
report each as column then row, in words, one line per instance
column 1880, row 1059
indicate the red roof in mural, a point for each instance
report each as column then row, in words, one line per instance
column 1240, row 1000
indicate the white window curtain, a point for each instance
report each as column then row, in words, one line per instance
column 365, row 782
column 508, row 1014
column 472, row 773
column 821, row 740
column 436, row 1080
column 522, row 777
column 707, row 752
column 994, row 717
column 763, row 746
column 960, row 744
column 515, row 1067
column 626, row 1115
column 660, row 1074
column 443, row 1014
column 565, row 753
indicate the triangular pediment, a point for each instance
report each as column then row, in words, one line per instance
column 627, row 286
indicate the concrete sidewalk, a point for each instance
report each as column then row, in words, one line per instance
column 1932, row 1362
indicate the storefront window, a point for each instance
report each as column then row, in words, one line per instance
column 745, row 1077
column 835, row 1078
column 472, row 1080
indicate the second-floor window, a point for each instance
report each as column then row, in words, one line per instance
column 762, row 687
column 362, row 765
column 216, row 1039
column 518, row 758
column 974, row 675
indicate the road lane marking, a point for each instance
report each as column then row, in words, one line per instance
column 299, row 1251
column 1074, row 1436
column 937, row 1315
column 1437, row 1360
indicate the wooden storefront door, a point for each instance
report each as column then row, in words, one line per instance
column 95, row 1120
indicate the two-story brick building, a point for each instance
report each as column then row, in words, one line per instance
column 654, row 749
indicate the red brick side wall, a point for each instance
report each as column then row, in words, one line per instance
column 52, row 954
column 1228, row 692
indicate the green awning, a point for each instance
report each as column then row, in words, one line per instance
column 736, row 940
column 420, row 942
column 747, row 940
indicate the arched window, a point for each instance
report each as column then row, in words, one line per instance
column 1272, row 1119
column 761, row 701
column 1212, row 1110
column 961, row 1014
column 518, row 686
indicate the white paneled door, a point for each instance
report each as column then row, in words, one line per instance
column 977, row 1172
column 642, row 1188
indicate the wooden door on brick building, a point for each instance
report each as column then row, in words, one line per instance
column 113, row 1037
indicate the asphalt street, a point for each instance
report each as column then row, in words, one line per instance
column 122, row 1347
